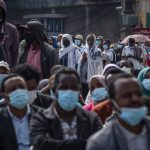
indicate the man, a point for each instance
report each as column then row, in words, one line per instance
column 99, row 42
column 118, row 50
column 131, row 130
column 32, row 77
column 64, row 125
column 11, row 41
column 133, row 53
column 79, row 43
column 126, row 66
column 37, row 52
column 109, row 51
column 15, row 118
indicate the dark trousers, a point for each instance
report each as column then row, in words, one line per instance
column 85, row 90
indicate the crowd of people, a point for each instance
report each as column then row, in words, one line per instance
column 69, row 92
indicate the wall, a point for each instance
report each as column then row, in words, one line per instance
column 102, row 19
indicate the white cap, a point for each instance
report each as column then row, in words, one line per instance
column 4, row 64
column 80, row 37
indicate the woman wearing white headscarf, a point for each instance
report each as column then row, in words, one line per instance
column 69, row 54
column 94, row 58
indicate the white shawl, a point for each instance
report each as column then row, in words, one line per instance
column 95, row 63
column 72, row 50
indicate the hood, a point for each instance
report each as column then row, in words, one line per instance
column 69, row 37
column 55, row 39
column 3, row 7
column 140, row 79
column 38, row 30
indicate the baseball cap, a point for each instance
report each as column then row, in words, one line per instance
column 80, row 37
column 4, row 64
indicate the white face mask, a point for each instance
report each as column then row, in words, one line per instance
column 32, row 96
column 59, row 44
column 127, row 70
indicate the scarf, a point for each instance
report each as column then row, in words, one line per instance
column 94, row 58
column 72, row 50
column 140, row 79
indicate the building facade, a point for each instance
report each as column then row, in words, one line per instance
column 69, row 16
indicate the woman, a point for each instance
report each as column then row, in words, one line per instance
column 144, row 81
column 99, row 98
column 69, row 54
column 94, row 58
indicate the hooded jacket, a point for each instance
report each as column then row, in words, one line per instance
column 11, row 41
column 49, row 56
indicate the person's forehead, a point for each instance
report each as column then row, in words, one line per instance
column 3, row 68
column 90, row 37
column 128, row 83
column 15, row 80
column 125, row 62
column 65, row 77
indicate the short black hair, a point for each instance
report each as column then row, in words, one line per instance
column 55, row 69
column 28, row 72
column 119, row 63
column 131, row 40
column 67, row 71
column 112, row 80
column 108, row 41
column 11, row 75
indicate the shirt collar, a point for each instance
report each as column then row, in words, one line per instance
column 129, row 135
column 26, row 115
column 57, row 115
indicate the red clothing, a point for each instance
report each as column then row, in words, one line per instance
column 103, row 109
column 34, row 57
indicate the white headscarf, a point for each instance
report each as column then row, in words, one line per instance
column 95, row 64
column 72, row 50
column 109, row 66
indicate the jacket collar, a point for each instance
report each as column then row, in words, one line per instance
column 50, row 114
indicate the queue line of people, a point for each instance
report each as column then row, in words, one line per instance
column 63, row 93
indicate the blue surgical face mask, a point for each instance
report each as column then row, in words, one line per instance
column 98, row 42
column 133, row 116
column 99, row 94
column 77, row 42
column 68, row 99
column 146, row 84
column 19, row 98
column 105, row 47
column 126, row 69
column 119, row 46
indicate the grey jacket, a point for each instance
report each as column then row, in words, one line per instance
column 112, row 138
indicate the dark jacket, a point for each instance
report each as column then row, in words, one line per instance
column 7, row 132
column 111, row 137
column 11, row 42
column 2, row 54
column 49, row 58
column 42, row 100
column 46, row 131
